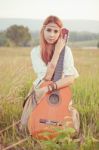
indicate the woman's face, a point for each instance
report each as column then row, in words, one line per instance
column 51, row 33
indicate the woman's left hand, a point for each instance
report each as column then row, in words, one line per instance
column 60, row 44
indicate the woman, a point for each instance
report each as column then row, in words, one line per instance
column 45, row 57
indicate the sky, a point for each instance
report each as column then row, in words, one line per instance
column 40, row 9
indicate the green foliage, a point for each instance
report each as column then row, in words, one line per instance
column 63, row 141
column 3, row 39
column 19, row 35
column 83, row 36
column 98, row 44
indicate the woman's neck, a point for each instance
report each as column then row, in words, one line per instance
column 49, row 46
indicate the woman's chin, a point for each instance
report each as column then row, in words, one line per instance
column 51, row 41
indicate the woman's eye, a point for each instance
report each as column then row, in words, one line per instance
column 49, row 30
column 55, row 31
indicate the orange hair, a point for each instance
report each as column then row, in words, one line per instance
column 46, row 52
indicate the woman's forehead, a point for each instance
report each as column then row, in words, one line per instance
column 53, row 25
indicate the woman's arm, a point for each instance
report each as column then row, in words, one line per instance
column 61, row 83
column 52, row 64
column 66, row 81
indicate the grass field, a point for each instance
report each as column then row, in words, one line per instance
column 16, row 77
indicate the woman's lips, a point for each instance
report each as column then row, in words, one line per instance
column 51, row 39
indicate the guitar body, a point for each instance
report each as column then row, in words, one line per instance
column 50, row 113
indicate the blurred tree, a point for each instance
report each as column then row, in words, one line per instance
column 83, row 36
column 3, row 39
column 19, row 35
column 98, row 44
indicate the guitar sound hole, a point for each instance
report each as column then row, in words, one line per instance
column 54, row 99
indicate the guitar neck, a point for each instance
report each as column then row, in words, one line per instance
column 59, row 67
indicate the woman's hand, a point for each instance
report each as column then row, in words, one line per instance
column 60, row 44
column 58, row 48
column 39, row 92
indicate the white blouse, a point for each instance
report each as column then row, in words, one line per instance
column 40, row 67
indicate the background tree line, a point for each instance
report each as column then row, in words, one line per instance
column 17, row 35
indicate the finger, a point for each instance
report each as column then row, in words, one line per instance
column 65, row 37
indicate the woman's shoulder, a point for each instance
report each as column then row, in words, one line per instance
column 35, row 50
column 68, row 50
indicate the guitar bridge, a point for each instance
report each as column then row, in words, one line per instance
column 50, row 122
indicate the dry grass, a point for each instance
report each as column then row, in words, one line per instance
column 16, row 77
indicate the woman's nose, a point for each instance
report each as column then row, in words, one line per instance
column 52, row 34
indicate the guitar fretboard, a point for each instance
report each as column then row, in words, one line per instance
column 59, row 67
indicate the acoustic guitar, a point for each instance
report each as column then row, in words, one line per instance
column 52, row 112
